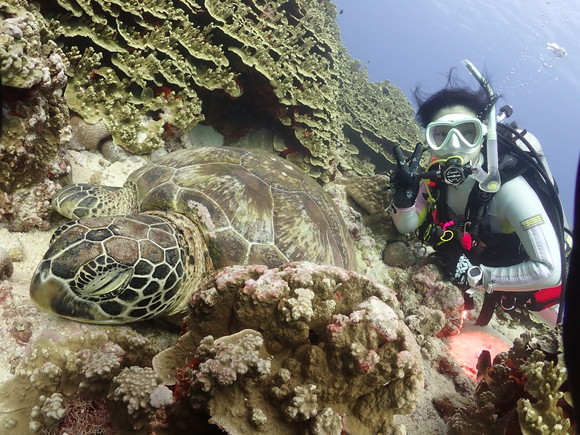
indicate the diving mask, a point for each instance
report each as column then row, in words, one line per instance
column 455, row 132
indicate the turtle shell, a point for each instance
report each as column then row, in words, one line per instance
column 258, row 208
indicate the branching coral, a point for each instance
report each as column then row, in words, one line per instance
column 57, row 378
column 140, row 391
column 542, row 414
column 521, row 392
column 298, row 346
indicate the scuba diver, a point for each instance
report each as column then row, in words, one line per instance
column 486, row 203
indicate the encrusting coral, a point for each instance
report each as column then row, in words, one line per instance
column 428, row 288
column 293, row 349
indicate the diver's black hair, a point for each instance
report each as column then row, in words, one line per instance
column 455, row 93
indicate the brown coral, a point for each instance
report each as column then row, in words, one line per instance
column 139, row 390
column 430, row 289
column 58, row 375
column 34, row 114
column 298, row 346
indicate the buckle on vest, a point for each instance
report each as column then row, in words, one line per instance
column 511, row 300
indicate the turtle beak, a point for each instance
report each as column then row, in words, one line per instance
column 55, row 296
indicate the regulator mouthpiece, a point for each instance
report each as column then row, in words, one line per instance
column 452, row 171
column 489, row 182
column 455, row 172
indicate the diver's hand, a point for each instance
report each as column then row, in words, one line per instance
column 405, row 182
column 459, row 267
column 467, row 274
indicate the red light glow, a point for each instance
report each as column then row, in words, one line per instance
column 466, row 346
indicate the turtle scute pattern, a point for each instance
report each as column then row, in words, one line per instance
column 263, row 209
column 238, row 206
column 96, row 253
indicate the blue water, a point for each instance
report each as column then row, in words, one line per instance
column 417, row 42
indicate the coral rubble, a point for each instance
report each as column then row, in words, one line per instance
column 298, row 347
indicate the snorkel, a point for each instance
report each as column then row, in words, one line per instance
column 488, row 182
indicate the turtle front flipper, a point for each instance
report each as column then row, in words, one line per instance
column 87, row 200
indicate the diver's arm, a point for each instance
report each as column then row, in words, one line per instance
column 408, row 219
column 517, row 203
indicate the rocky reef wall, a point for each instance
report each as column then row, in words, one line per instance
column 152, row 70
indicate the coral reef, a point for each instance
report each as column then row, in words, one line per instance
column 34, row 116
column 522, row 392
column 99, row 369
column 300, row 348
column 152, row 70
column 426, row 286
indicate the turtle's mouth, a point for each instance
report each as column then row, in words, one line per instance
column 55, row 296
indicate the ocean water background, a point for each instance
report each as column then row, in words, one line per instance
column 416, row 42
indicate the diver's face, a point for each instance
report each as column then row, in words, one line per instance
column 455, row 131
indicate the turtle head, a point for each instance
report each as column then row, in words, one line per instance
column 111, row 269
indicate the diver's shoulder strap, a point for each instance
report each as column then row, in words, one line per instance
column 510, row 167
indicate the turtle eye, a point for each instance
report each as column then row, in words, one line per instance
column 102, row 279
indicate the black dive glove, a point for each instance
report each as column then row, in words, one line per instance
column 405, row 182
column 460, row 268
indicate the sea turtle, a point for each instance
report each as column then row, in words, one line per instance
column 141, row 250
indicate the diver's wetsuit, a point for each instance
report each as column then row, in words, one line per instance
column 515, row 207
